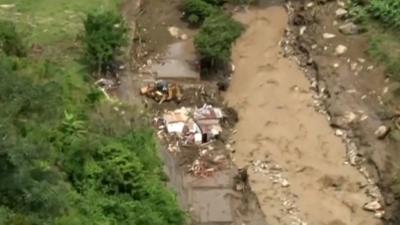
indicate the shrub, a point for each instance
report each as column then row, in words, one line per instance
column 10, row 40
column 386, row 11
column 105, row 33
column 215, row 39
column 196, row 11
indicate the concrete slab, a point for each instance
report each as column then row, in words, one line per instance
column 212, row 205
column 174, row 69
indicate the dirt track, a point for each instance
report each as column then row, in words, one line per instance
column 279, row 125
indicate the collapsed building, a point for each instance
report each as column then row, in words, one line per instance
column 194, row 125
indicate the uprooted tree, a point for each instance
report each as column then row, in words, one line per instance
column 215, row 39
column 105, row 34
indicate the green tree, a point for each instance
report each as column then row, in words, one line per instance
column 105, row 34
column 196, row 11
column 215, row 39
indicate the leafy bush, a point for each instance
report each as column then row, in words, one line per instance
column 105, row 33
column 215, row 39
column 10, row 40
column 386, row 11
column 196, row 11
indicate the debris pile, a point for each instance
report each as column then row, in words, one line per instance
column 283, row 193
column 191, row 131
column 193, row 125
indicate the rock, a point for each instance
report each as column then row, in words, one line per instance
column 349, row 28
column 379, row 214
column 353, row 66
column 361, row 60
column 372, row 206
column 382, row 131
column 328, row 35
column 341, row 4
column 302, row 30
column 340, row 50
column 339, row 132
column 285, row 183
column 350, row 117
column 183, row 37
column 341, row 13
column 174, row 31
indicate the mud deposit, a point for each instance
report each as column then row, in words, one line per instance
column 297, row 165
column 359, row 97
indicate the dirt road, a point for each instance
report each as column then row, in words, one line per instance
column 279, row 127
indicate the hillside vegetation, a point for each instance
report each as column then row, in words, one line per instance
column 69, row 157
column 382, row 19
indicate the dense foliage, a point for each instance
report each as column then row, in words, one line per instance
column 66, row 156
column 386, row 11
column 217, row 33
column 105, row 33
column 10, row 42
column 196, row 11
column 215, row 39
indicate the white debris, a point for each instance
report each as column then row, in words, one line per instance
column 174, row 31
column 341, row 4
column 302, row 30
column 336, row 65
column 379, row 214
column 372, row 206
column 361, row 60
column 310, row 4
column 183, row 37
column 382, row 131
column 353, row 66
column 340, row 50
column 341, row 13
column 285, row 183
column 363, row 117
column 350, row 117
column 339, row 132
column 328, row 35
column 385, row 90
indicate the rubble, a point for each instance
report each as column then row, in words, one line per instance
column 194, row 126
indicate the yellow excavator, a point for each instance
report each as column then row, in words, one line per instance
column 162, row 91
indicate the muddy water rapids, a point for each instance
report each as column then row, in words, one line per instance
column 279, row 128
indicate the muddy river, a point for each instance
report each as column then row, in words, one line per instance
column 278, row 125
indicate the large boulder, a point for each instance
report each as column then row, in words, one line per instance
column 349, row 28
